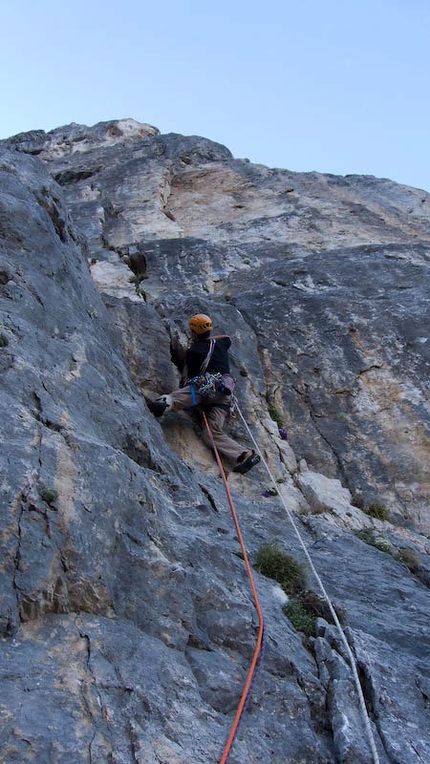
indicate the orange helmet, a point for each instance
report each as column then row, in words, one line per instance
column 200, row 323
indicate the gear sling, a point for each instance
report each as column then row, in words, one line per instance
column 210, row 384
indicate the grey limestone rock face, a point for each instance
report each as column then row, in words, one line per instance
column 127, row 619
column 351, row 366
column 328, row 273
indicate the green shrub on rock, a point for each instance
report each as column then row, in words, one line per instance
column 276, row 564
column 300, row 618
column 304, row 607
column 275, row 415
column 409, row 558
column 50, row 495
column 378, row 511
column 378, row 540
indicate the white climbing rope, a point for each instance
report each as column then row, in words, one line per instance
column 344, row 640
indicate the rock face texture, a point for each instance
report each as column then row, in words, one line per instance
column 126, row 615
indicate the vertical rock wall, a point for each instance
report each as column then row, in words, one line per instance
column 126, row 616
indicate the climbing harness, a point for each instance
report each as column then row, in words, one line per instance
column 345, row 643
column 204, row 383
column 258, row 651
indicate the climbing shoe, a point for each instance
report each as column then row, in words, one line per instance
column 245, row 463
column 158, row 407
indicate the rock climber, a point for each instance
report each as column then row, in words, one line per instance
column 209, row 386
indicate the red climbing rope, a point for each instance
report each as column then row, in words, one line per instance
column 259, row 644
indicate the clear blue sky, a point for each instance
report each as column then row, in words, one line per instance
column 337, row 86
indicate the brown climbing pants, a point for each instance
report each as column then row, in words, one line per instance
column 216, row 416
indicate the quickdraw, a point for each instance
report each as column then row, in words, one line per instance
column 207, row 385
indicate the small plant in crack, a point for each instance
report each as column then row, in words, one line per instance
column 378, row 511
column 138, row 278
column 49, row 495
column 409, row 558
column 270, row 491
column 275, row 415
column 299, row 617
column 377, row 540
column 375, row 509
